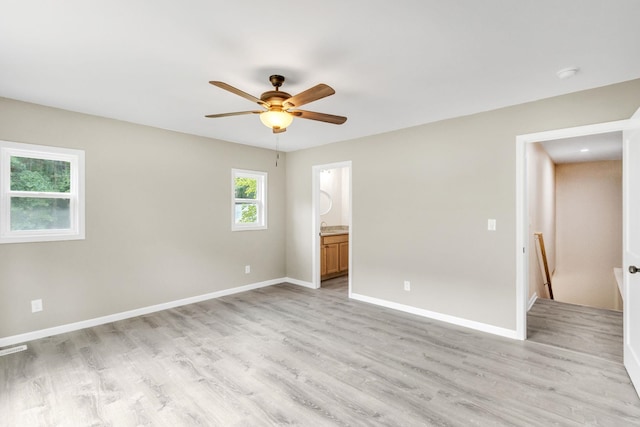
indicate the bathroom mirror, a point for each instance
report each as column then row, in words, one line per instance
column 325, row 202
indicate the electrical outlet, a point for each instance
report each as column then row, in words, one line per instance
column 36, row 305
column 407, row 285
column 247, row 269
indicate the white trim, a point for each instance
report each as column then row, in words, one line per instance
column 315, row 226
column 260, row 200
column 56, row 330
column 315, row 220
column 532, row 300
column 483, row 327
column 12, row 350
column 351, row 238
column 70, row 327
column 522, row 216
column 76, row 195
column 299, row 283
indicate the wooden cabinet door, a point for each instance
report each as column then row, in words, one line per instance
column 334, row 256
column 331, row 258
column 344, row 256
column 323, row 261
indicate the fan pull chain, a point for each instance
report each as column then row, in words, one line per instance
column 277, row 149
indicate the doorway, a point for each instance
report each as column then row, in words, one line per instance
column 523, row 242
column 332, row 219
column 630, row 227
column 575, row 202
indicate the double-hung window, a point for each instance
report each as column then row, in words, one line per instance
column 249, row 200
column 41, row 193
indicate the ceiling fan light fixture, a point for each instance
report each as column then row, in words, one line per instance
column 276, row 119
column 276, row 113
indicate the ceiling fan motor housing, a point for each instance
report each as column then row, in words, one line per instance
column 275, row 98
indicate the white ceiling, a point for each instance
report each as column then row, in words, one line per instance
column 606, row 146
column 392, row 64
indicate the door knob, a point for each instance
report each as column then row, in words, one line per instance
column 633, row 269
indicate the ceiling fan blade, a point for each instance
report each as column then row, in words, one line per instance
column 321, row 117
column 313, row 94
column 239, row 113
column 245, row 95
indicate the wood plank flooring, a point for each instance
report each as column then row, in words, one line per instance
column 594, row 331
column 287, row 355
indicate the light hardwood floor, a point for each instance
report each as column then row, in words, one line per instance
column 287, row 355
column 594, row 331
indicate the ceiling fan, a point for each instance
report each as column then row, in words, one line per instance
column 281, row 107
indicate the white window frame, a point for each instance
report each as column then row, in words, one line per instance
column 260, row 200
column 76, row 230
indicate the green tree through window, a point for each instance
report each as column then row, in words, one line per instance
column 246, row 188
column 249, row 194
column 39, row 176
column 51, row 176
column 41, row 193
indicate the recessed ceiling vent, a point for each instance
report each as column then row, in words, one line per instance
column 567, row 73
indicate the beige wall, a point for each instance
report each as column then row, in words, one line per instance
column 158, row 222
column 542, row 215
column 422, row 197
column 158, row 208
column 589, row 233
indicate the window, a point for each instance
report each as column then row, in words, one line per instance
column 41, row 193
column 249, row 200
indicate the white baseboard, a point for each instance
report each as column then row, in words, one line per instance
column 483, row 327
column 532, row 300
column 30, row 336
column 56, row 330
column 299, row 282
column 12, row 350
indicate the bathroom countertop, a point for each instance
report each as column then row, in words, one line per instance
column 331, row 230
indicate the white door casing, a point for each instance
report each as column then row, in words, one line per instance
column 631, row 248
column 522, row 217
column 315, row 220
column 631, row 230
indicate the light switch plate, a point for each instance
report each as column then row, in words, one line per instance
column 491, row 225
column 36, row 305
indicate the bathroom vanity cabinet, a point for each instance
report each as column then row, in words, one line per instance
column 334, row 255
